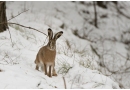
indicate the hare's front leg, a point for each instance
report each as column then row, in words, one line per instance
column 45, row 67
column 50, row 71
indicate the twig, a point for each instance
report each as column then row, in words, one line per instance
column 10, row 37
column 64, row 82
column 18, row 14
column 94, row 50
column 122, row 56
column 26, row 27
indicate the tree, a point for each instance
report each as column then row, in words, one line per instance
column 3, row 19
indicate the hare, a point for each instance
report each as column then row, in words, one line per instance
column 46, row 55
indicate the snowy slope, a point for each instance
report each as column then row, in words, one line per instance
column 75, row 60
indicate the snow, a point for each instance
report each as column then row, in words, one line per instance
column 75, row 60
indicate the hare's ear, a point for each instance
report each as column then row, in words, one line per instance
column 57, row 35
column 50, row 33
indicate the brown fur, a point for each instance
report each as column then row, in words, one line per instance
column 46, row 55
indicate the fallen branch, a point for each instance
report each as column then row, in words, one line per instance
column 26, row 27
column 64, row 82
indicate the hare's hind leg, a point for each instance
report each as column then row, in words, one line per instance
column 54, row 72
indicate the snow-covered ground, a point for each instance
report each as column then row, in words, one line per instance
column 75, row 60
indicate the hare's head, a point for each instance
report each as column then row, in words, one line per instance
column 52, row 40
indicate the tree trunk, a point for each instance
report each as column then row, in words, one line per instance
column 3, row 19
column 95, row 11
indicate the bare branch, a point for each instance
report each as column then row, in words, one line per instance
column 10, row 37
column 18, row 14
column 15, row 16
column 26, row 27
